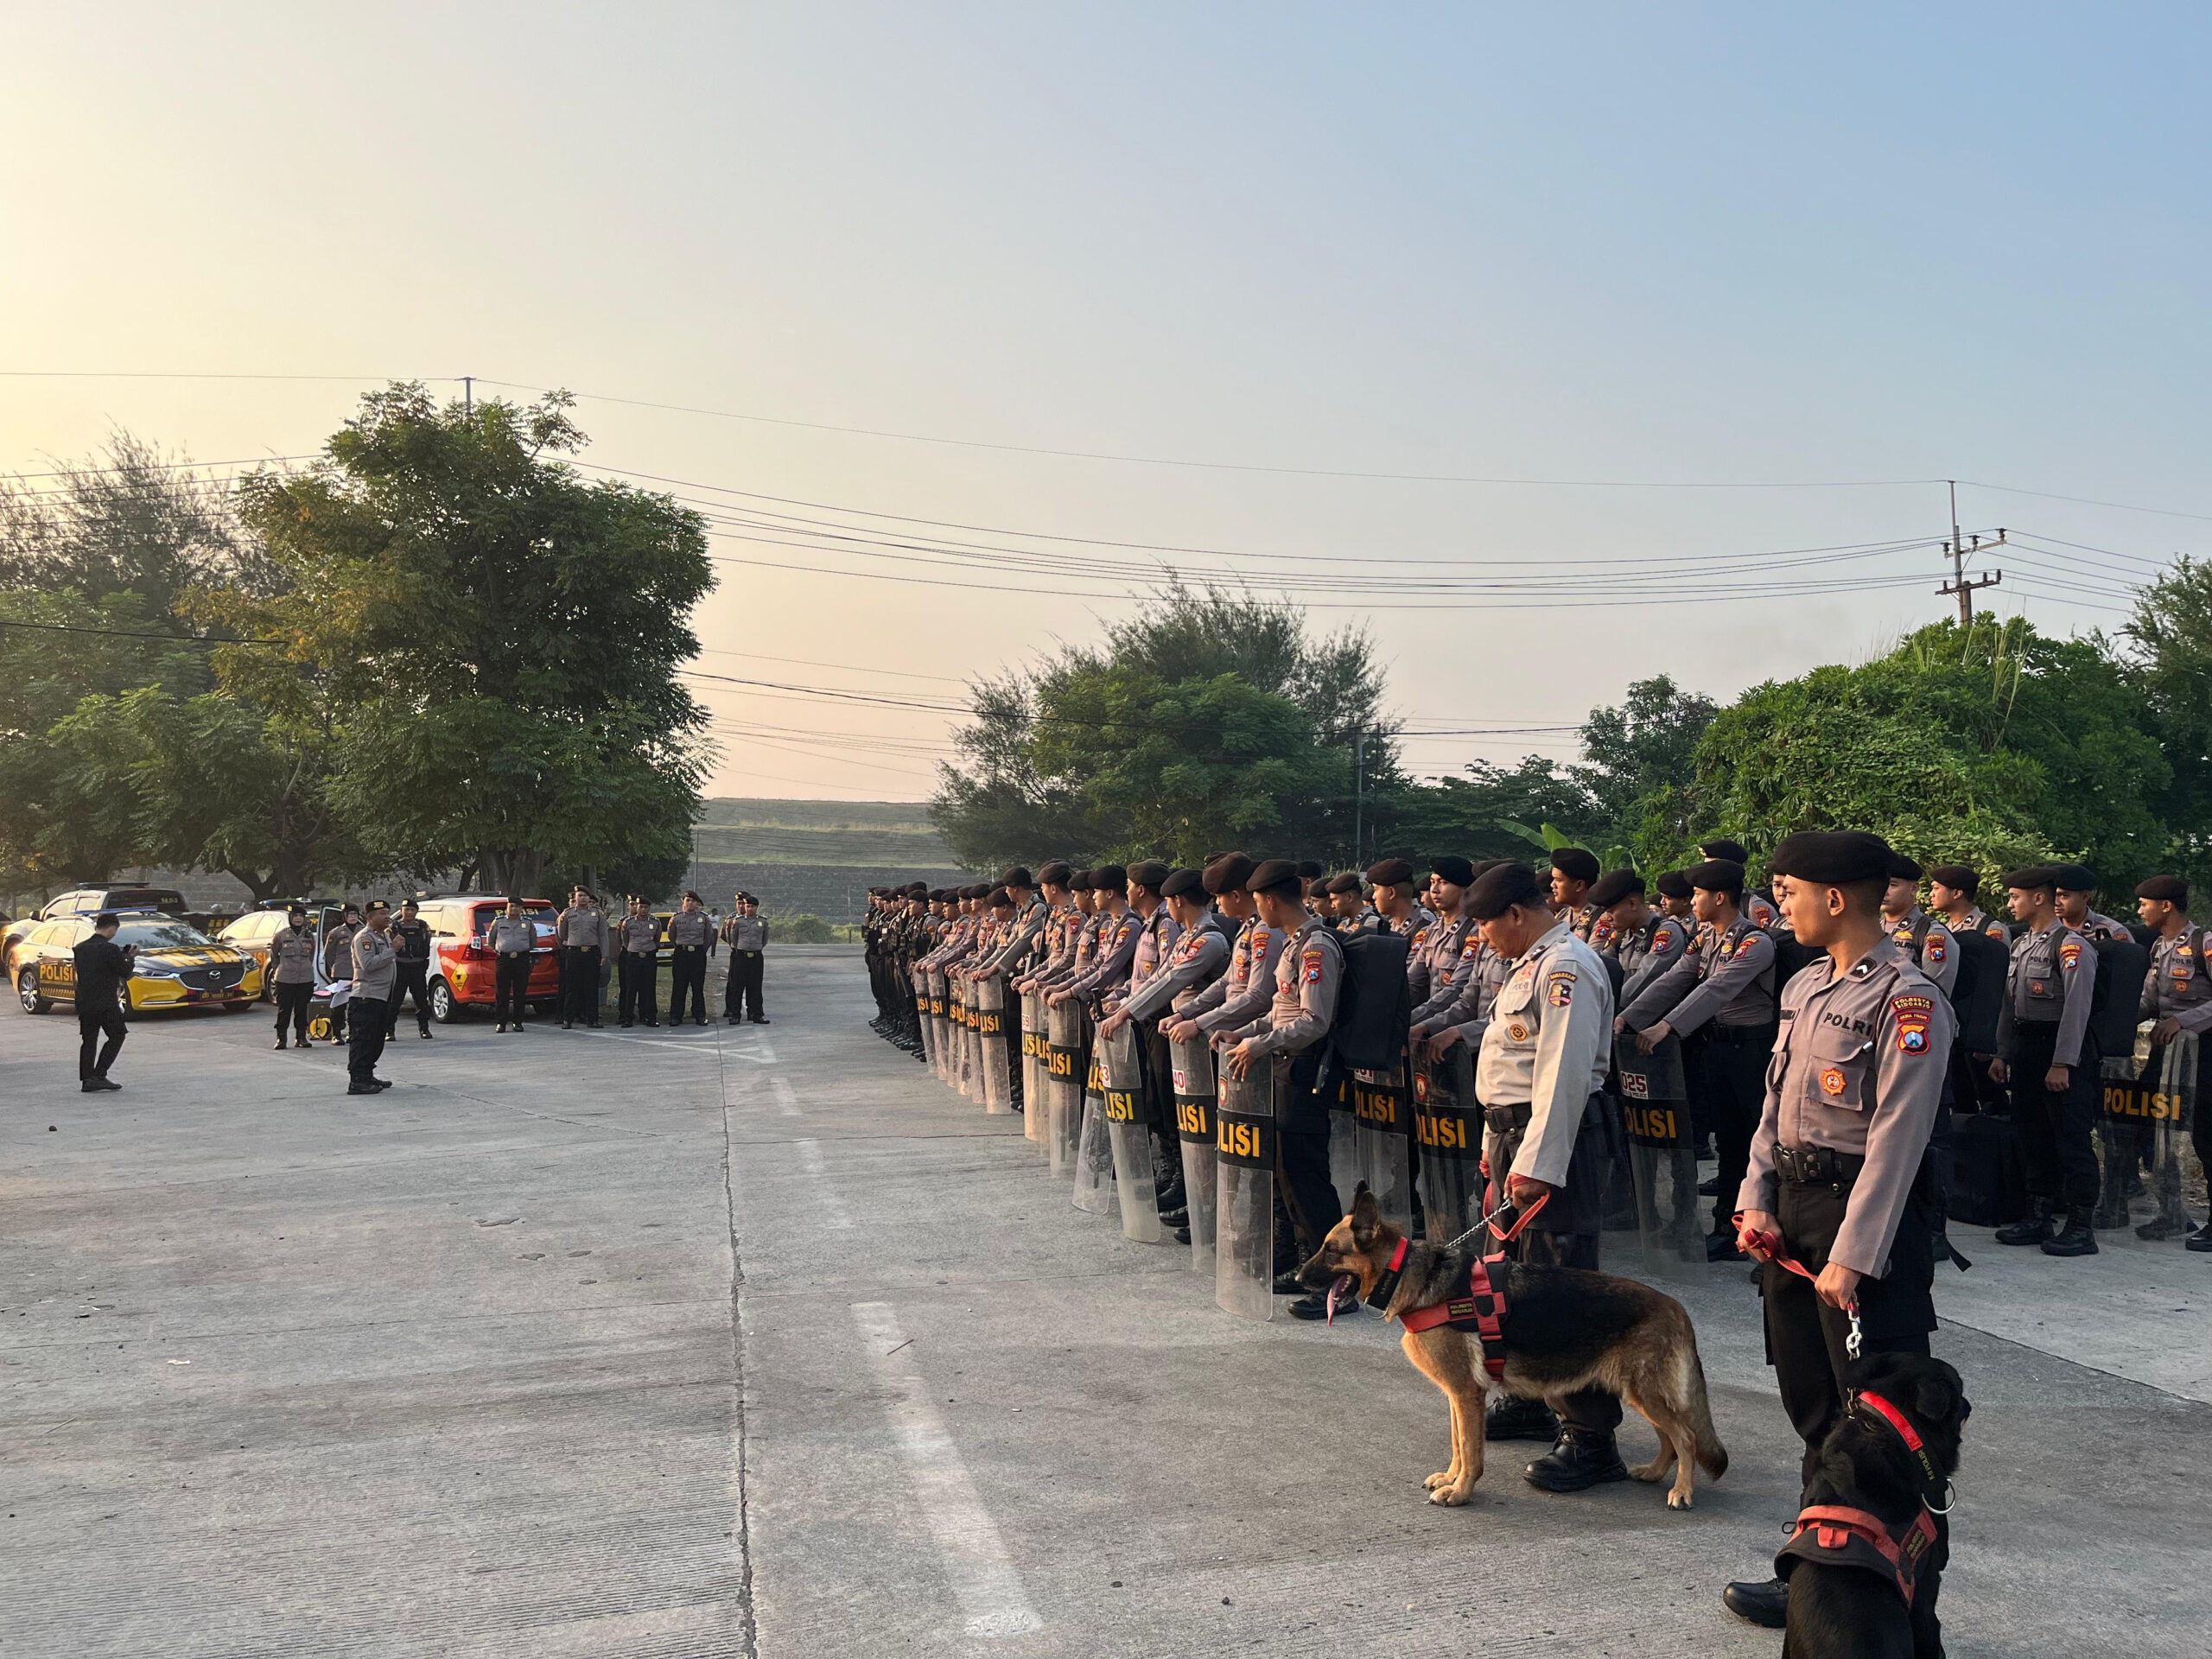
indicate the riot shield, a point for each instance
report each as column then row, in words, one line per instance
column 1662, row 1161
column 1128, row 1135
column 1384, row 1121
column 1345, row 1171
column 1244, row 1213
column 990, row 1034
column 1192, row 1063
column 941, row 1017
column 921, row 978
column 1449, row 1125
column 1036, row 1103
column 1064, row 1027
column 1094, row 1153
column 2148, row 1104
column 971, row 1053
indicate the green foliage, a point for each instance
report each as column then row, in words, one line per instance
column 1487, row 814
column 2170, row 636
column 806, row 928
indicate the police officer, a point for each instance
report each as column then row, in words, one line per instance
column 1919, row 935
column 372, row 968
column 103, row 969
column 690, row 936
column 2048, row 1055
column 1308, row 974
column 1756, row 906
column 1677, row 898
column 581, row 933
column 1397, row 906
column 1836, row 1179
column 1574, row 870
column 2076, row 883
column 1180, row 952
column 338, row 964
column 2177, row 995
column 1245, row 990
column 637, row 965
column 1645, row 943
column 1436, row 948
column 1117, row 932
column 1951, row 892
column 1723, row 987
column 745, row 933
column 410, row 951
column 291, row 974
column 510, row 939
column 1540, row 1075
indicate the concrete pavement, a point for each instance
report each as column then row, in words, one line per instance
column 761, row 1341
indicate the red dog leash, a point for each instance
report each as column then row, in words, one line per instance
column 1752, row 1240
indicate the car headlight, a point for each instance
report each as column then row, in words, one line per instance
column 153, row 971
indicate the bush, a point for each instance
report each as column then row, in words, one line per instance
column 806, row 928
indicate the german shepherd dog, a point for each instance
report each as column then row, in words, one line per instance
column 1564, row 1330
column 1845, row 1612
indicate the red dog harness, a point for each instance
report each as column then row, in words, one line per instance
column 1837, row 1536
column 1481, row 1312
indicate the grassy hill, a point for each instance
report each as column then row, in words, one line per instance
column 880, row 834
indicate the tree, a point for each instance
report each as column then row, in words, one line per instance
column 2170, row 663
column 1487, row 813
column 489, row 640
column 1636, row 758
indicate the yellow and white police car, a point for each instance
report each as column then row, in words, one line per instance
column 177, row 965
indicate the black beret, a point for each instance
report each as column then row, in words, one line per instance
column 1718, row 875
column 1390, row 873
column 1057, row 872
column 1454, row 869
column 2075, row 878
column 1500, row 887
column 1230, row 872
column 2029, row 877
column 1109, row 877
column 1673, row 884
column 1955, row 875
column 1615, row 885
column 1733, row 851
column 1276, row 873
column 980, row 890
column 918, row 890
column 1149, row 872
column 1838, row 856
column 2171, row 888
column 1345, row 883
column 1001, row 900
column 1902, row 868
column 1575, row 863
column 1183, row 881
column 1308, row 868
column 1017, row 877
column 1080, row 881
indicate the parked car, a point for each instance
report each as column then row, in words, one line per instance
column 177, row 965
column 461, row 969
column 90, row 901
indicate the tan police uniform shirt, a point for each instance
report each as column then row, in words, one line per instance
column 1550, row 1047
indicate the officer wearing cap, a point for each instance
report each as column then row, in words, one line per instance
column 338, row 964
column 291, row 973
column 1756, row 906
column 1348, row 907
column 1951, row 892
column 1919, row 935
column 1245, row 989
column 510, row 938
column 1055, row 946
column 1642, row 941
column 2075, row 883
column 1195, row 955
column 637, row 965
column 1724, row 987
column 690, row 936
column 410, row 944
column 1397, row 906
column 1459, row 1011
column 1677, row 898
column 1540, row 1077
column 1836, row 1179
column 1574, row 870
column 2177, row 995
column 2048, row 1054
column 1115, row 949
column 581, row 933
column 1436, row 948
column 1308, row 974
column 373, row 965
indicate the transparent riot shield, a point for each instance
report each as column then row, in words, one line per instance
column 1384, row 1124
column 1191, row 1065
column 2149, row 1103
column 935, row 1023
column 1449, row 1125
column 1063, row 1053
column 1036, row 1103
column 1345, row 1171
column 1128, row 1138
column 931, row 1051
column 990, row 1033
column 1662, row 1162
column 1244, row 1213
column 1094, row 1153
column 971, row 1067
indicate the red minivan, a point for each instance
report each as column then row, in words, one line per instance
column 461, row 969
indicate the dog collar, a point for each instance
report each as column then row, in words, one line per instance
column 1387, row 1286
column 1897, row 1420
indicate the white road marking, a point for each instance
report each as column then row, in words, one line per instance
column 762, row 1051
column 984, row 1579
column 787, row 1102
column 833, row 1209
column 649, row 1042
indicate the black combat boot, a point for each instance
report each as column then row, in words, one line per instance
column 1511, row 1418
column 1582, row 1459
column 2075, row 1238
column 1762, row 1601
column 2199, row 1240
column 2032, row 1229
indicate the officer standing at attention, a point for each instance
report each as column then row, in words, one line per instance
column 338, row 963
column 1951, row 890
column 1116, row 936
column 1727, row 982
column 291, row 972
column 1645, row 943
column 1835, row 1177
column 637, row 962
column 1540, row 1075
column 1246, row 989
column 410, row 949
column 581, row 933
column 373, row 966
column 1436, row 949
column 746, row 935
column 1921, row 937
column 510, row 939
column 103, row 969
column 1574, row 870
column 1677, row 898
column 2047, row 1054
column 1395, row 904
column 1308, row 973
column 1756, row 905
column 2075, row 883
column 2177, row 994
column 690, row 937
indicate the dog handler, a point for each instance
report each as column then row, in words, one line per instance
column 1836, row 1163
column 1540, row 1077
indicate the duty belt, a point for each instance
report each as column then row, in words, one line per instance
column 1818, row 1166
column 1742, row 1036
column 1506, row 1119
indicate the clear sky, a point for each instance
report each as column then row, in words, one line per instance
column 1739, row 245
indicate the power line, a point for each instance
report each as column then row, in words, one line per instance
column 119, row 633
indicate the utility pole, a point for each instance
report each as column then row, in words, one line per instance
column 1957, row 549
column 1358, row 789
column 468, row 395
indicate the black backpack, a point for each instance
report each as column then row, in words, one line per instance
column 1375, row 1008
column 1978, row 994
column 2122, row 966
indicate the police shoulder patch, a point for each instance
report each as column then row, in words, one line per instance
column 1559, row 989
column 2069, row 954
column 1315, row 957
column 1935, row 948
column 1912, row 1012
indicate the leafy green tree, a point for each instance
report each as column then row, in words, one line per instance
column 1492, row 812
column 1636, row 758
column 2171, row 662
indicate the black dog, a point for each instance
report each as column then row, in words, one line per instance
column 1842, row 1604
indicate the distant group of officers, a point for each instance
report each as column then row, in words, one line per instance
column 1818, row 1032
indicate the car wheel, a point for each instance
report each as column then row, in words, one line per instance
column 27, row 990
column 241, row 1006
column 443, row 1007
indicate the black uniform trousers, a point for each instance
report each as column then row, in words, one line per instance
column 93, row 1057
column 366, row 1047
column 639, row 993
column 741, row 996
column 687, row 983
column 409, row 979
column 1302, row 1151
column 1734, row 1073
column 292, row 1004
column 580, row 983
column 1565, row 1232
column 2057, row 1129
column 510, row 986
